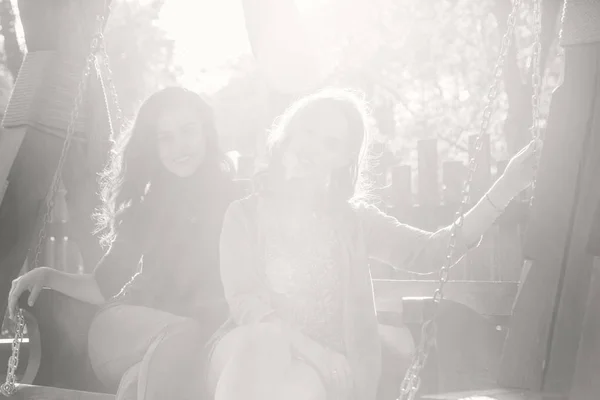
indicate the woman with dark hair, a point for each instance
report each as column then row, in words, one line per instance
column 294, row 259
column 164, row 191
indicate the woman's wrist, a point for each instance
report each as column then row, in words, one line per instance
column 47, row 277
column 500, row 194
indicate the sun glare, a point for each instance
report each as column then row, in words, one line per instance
column 208, row 34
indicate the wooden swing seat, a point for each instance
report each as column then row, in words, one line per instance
column 495, row 394
column 34, row 392
column 60, row 369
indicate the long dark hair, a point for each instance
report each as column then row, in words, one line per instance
column 134, row 163
column 350, row 183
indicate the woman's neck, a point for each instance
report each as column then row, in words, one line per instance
column 302, row 194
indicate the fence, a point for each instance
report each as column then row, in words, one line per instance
column 431, row 205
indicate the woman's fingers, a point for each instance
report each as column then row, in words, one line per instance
column 12, row 300
column 33, row 294
column 342, row 377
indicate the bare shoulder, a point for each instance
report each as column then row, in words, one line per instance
column 366, row 211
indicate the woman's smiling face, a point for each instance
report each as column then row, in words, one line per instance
column 181, row 141
column 319, row 142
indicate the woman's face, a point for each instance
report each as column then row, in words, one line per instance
column 181, row 141
column 319, row 143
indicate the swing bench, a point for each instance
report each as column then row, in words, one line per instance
column 58, row 326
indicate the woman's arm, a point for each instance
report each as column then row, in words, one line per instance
column 122, row 260
column 481, row 217
column 410, row 248
column 406, row 247
column 81, row 287
column 114, row 270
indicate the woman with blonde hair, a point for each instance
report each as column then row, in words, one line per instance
column 295, row 256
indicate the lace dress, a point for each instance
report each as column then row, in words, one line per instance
column 302, row 274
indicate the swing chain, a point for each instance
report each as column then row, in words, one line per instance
column 8, row 388
column 536, row 85
column 412, row 379
column 111, row 85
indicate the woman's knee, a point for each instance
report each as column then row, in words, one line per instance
column 264, row 339
column 261, row 346
column 184, row 339
column 302, row 382
column 187, row 328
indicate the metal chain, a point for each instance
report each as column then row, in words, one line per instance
column 8, row 388
column 412, row 379
column 536, row 85
column 111, row 88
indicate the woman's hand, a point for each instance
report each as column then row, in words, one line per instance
column 338, row 375
column 332, row 366
column 34, row 281
column 520, row 171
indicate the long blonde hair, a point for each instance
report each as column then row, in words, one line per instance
column 350, row 183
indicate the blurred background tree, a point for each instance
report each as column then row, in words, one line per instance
column 424, row 65
column 140, row 52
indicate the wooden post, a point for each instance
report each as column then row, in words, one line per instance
column 546, row 328
column 586, row 384
column 58, row 41
column 428, row 194
column 453, row 175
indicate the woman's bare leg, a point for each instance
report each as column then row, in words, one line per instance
column 255, row 363
column 173, row 366
column 167, row 352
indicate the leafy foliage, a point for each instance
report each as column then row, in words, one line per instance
column 426, row 67
column 140, row 52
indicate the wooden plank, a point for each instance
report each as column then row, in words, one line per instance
column 494, row 394
column 578, row 263
column 10, row 143
column 428, row 194
column 32, row 392
column 486, row 298
column 533, row 324
column 586, row 384
column 573, row 296
column 453, row 176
